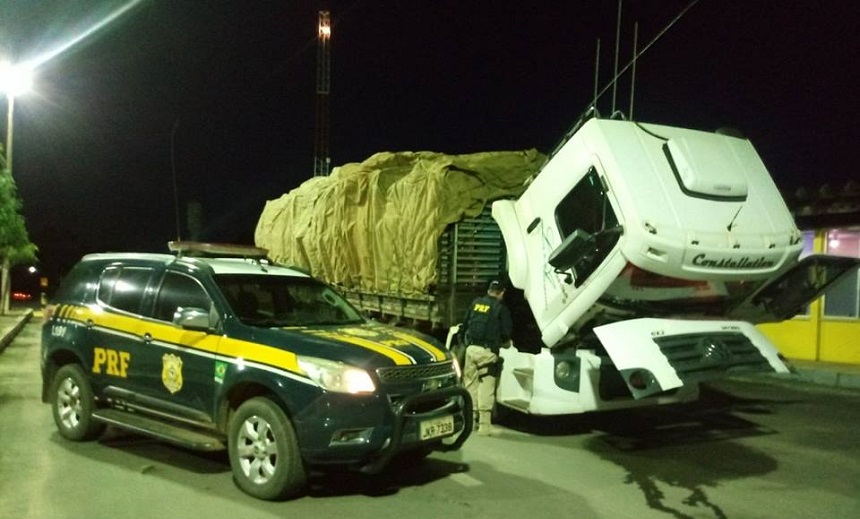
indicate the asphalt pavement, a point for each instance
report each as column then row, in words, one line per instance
column 811, row 372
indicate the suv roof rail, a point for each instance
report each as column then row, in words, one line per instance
column 196, row 248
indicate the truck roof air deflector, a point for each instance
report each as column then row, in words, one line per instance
column 701, row 170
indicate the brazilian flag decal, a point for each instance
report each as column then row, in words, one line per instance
column 220, row 371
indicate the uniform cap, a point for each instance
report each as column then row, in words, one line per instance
column 496, row 285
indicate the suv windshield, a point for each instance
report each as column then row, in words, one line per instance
column 280, row 301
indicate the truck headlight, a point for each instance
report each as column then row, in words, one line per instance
column 563, row 369
column 336, row 376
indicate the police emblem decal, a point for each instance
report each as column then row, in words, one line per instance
column 171, row 372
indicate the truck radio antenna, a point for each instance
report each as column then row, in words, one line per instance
column 591, row 110
column 637, row 55
column 617, row 49
column 633, row 71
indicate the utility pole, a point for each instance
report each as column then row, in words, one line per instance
column 322, row 135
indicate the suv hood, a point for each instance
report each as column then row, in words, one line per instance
column 364, row 344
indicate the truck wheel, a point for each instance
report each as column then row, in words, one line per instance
column 264, row 451
column 72, row 404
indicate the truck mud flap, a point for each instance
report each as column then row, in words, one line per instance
column 658, row 355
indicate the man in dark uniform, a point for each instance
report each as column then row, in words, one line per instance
column 488, row 328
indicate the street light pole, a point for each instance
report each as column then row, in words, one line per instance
column 14, row 81
column 10, row 121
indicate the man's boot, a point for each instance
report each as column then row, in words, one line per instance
column 485, row 426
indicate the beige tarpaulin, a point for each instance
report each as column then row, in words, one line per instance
column 375, row 226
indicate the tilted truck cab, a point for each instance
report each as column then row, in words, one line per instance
column 646, row 254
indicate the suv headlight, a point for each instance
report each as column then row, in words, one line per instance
column 336, row 376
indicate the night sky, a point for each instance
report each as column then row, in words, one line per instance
column 232, row 84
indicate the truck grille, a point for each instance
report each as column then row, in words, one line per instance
column 702, row 356
column 415, row 373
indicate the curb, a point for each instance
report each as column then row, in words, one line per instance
column 10, row 333
column 823, row 377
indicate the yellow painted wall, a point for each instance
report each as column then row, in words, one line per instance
column 796, row 338
column 840, row 341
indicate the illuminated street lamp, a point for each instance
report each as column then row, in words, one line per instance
column 14, row 81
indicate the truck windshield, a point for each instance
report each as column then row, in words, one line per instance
column 284, row 301
column 651, row 294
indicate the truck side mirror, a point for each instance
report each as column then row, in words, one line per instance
column 583, row 252
column 571, row 250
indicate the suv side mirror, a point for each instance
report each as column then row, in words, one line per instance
column 192, row 318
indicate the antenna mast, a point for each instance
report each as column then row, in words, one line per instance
column 633, row 70
column 322, row 156
column 617, row 47
column 638, row 54
column 596, row 75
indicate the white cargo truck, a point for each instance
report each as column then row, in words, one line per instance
column 641, row 257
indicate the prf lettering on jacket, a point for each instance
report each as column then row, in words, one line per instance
column 113, row 362
column 481, row 308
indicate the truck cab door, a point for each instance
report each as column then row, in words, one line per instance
column 569, row 230
column 786, row 295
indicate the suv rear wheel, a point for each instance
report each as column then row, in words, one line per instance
column 72, row 404
column 264, row 451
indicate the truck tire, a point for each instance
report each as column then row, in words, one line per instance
column 72, row 404
column 264, row 452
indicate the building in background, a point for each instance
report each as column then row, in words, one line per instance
column 830, row 329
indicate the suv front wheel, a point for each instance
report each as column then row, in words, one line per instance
column 264, row 451
column 72, row 404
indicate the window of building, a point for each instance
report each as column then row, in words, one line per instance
column 808, row 243
column 843, row 298
column 808, row 248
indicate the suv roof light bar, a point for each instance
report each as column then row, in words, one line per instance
column 196, row 248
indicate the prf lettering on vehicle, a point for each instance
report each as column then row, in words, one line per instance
column 111, row 362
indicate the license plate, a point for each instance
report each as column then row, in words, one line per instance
column 437, row 427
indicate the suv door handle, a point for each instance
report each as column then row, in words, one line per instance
column 89, row 323
column 147, row 338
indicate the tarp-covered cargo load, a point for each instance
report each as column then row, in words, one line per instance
column 374, row 226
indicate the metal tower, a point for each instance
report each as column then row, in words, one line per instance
column 322, row 157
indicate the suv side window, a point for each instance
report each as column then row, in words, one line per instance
column 123, row 287
column 77, row 287
column 178, row 290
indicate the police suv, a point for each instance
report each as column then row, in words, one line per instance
column 216, row 348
